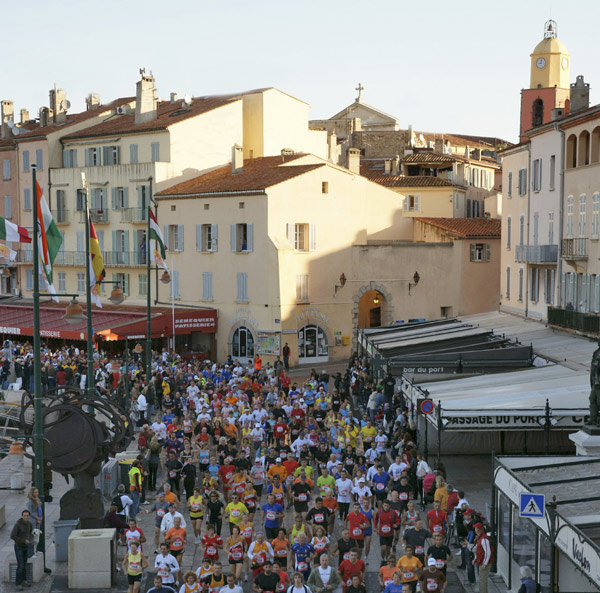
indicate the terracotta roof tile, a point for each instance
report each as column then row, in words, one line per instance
column 256, row 176
column 74, row 118
column 168, row 114
column 438, row 157
column 467, row 227
column 373, row 169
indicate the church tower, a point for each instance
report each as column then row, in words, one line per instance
column 549, row 82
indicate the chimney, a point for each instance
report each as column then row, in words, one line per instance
column 387, row 166
column 24, row 116
column 8, row 115
column 237, row 159
column 438, row 145
column 558, row 113
column 467, row 152
column 146, row 101
column 396, row 165
column 44, row 117
column 353, row 161
column 59, row 105
column 92, row 101
column 580, row 95
column 173, row 97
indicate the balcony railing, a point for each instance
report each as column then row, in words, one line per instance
column 588, row 323
column 575, row 248
column 97, row 216
column 61, row 216
column 134, row 215
column 77, row 258
column 536, row 254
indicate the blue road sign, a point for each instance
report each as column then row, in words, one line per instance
column 532, row 505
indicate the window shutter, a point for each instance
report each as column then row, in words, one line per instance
column 597, row 293
column 417, row 203
column 288, row 231
column 214, row 234
column 25, row 160
column 233, row 237
column 7, row 207
column 166, row 237
column 473, row 252
column 199, row 238
column 239, row 286
column 113, row 197
column 126, row 282
column 80, row 245
column 488, row 252
column 133, row 153
column 101, row 240
column 74, row 158
column 125, row 197
column 312, row 237
column 204, row 282
column 39, row 159
column 180, row 237
column 175, row 282
column 210, row 286
column 66, row 160
column 140, row 195
column 27, row 199
column 508, row 231
column 406, row 204
column 117, row 158
column 29, row 279
column 106, row 155
column 250, row 236
column 126, row 247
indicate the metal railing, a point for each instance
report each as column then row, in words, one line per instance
column 583, row 322
column 536, row 254
column 134, row 215
column 77, row 258
column 575, row 248
column 97, row 216
column 61, row 216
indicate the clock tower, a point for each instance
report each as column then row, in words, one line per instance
column 549, row 81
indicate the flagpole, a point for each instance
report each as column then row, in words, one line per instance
column 38, row 431
column 148, row 293
column 90, row 384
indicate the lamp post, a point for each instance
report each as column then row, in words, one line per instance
column 38, row 434
column 148, row 291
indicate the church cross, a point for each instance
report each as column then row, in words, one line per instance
column 360, row 88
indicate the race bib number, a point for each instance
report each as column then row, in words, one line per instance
column 385, row 529
column 259, row 559
column 211, row 551
column 319, row 547
column 349, row 582
column 228, row 475
column 237, row 555
column 302, row 566
column 437, row 528
column 409, row 574
column 236, row 513
column 439, row 563
column 271, row 516
column 172, row 474
column 356, row 531
column 387, row 582
column 302, row 497
column 403, row 496
column 135, row 566
column 344, row 492
column 163, row 572
column 319, row 518
column 160, row 512
column 250, row 503
column 177, row 542
column 419, row 549
column 380, row 486
column 196, row 507
column 432, row 584
column 281, row 553
column 347, row 557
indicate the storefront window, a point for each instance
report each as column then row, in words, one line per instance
column 503, row 521
column 243, row 343
column 312, row 343
column 545, row 563
column 524, row 541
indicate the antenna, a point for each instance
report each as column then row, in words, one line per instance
column 65, row 104
column 10, row 123
column 187, row 101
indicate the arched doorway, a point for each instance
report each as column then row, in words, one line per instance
column 313, row 345
column 242, row 344
column 371, row 309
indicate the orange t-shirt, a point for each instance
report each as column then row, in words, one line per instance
column 277, row 470
column 231, row 430
column 409, row 567
column 170, row 497
column 280, row 547
column 387, row 574
column 177, row 537
column 330, row 503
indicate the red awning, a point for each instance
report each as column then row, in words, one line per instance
column 186, row 321
column 115, row 323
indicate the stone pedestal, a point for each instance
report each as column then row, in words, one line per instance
column 92, row 558
column 35, row 568
column 587, row 441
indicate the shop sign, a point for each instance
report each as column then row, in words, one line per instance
column 500, row 421
column 312, row 314
column 242, row 314
column 269, row 343
column 579, row 549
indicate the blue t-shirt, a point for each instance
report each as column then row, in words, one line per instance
column 393, row 588
column 302, row 553
column 271, row 512
column 380, row 482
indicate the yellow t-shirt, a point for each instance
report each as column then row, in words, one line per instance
column 368, row 433
column 409, row 567
column 196, row 508
column 235, row 511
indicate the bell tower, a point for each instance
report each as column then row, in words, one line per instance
column 549, row 82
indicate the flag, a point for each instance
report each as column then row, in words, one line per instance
column 7, row 253
column 97, row 272
column 160, row 252
column 13, row 232
column 49, row 238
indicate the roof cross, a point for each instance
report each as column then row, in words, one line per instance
column 360, row 88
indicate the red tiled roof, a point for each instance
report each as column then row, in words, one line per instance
column 456, row 140
column 168, row 114
column 74, row 118
column 257, row 175
column 373, row 169
column 438, row 157
column 467, row 227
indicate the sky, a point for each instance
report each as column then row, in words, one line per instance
column 452, row 67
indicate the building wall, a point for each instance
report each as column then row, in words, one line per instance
column 381, row 144
column 9, row 194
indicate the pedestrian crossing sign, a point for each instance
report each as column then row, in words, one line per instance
column 532, row 505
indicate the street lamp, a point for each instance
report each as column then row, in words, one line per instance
column 117, row 296
column 74, row 312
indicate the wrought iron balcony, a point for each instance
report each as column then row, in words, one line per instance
column 536, row 254
column 112, row 259
column 61, row 216
column 575, row 248
column 97, row 216
column 134, row 215
column 588, row 323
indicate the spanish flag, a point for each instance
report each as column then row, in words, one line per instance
column 97, row 273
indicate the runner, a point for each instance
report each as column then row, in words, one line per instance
column 195, row 505
column 134, row 562
column 166, row 565
column 235, row 546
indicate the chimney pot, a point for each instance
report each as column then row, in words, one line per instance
column 237, row 159
column 353, row 160
column 24, row 116
column 146, row 101
column 173, row 97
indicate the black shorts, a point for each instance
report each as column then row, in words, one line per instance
column 271, row 532
column 231, row 561
column 359, row 543
column 281, row 560
column 176, row 553
column 386, row 540
column 301, row 507
column 381, row 496
column 134, row 578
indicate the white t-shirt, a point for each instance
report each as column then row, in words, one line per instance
column 344, row 490
column 234, row 589
column 325, row 574
column 303, row 589
column 160, row 429
column 166, row 567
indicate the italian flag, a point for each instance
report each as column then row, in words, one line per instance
column 13, row 232
column 160, row 251
column 49, row 238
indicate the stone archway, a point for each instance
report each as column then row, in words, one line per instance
column 387, row 312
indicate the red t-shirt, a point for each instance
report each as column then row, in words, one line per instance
column 226, row 473
column 436, row 521
column 356, row 525
column 348, row 570
column 290, row 466
column 298, row 414
column 210, row 546
column 280, row 430
column 385, row 522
